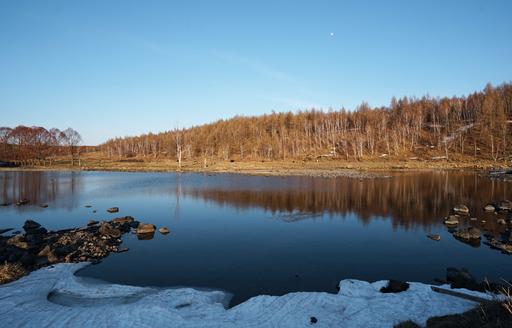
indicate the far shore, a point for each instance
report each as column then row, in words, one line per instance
column 369, row 168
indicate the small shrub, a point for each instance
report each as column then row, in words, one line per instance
column 506, row 293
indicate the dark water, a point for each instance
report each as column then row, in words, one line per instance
column 268, row 235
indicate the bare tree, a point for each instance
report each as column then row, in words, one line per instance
column 72, row 140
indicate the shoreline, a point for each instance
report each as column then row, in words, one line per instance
column 324, row 168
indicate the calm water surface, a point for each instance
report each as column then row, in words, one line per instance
column 268, row 235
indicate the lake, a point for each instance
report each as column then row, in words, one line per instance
column 253, row 235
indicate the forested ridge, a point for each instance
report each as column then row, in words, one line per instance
column 477, row 125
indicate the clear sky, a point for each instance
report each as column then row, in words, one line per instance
column 116, row 68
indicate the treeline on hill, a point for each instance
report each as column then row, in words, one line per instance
column 36, row 145
column 478, row 125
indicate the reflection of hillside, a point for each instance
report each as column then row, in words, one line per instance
column 38, row 187
column 410, row 199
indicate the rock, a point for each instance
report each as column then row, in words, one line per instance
column 94, row 211
column 88, row 206
column 92, row 222
column 467, row 234
column 27, row 259
column 502, row 221
column 107, row 230
column 461, row 278
column 489, row 208
column 43, row 205
column 31, row 225
column 18, row 241
column 145, row 236
column 22, row 202
column 164, row 230
column 395, row 286
column 505, row 205
column 113, row 210
column 434, row 237
column 313, row 320
column 461, row 209
column 452, row 220
column 123, row 220
column 2, row 231
column 145, row 228
column 45, row 251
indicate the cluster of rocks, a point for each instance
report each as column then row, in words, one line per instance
column 472, row 235
column 37, row 247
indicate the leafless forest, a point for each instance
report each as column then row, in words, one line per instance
column 36, row 145
column 478, row 125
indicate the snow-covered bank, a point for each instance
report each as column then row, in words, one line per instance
column 54, row 297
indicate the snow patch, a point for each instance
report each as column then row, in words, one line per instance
column 55, row 297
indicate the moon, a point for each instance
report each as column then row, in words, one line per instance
column 331, row 34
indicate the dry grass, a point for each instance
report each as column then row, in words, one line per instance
column 10, row 272
column 95, row 161
column 506, row 295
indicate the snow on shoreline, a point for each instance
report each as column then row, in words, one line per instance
column 55, row 297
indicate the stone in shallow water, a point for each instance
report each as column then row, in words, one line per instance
column 452, row 220
column 145, row 228
column 164, row 230
column 489, row 208
column 461, row 208
column 467, row 234
column 22, row 202
column 505, row 205
column 434, row 237
column 113, row 210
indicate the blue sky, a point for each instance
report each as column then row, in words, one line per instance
column 116, row 68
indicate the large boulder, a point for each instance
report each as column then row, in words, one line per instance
column 145, row 228
column 31, row 225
